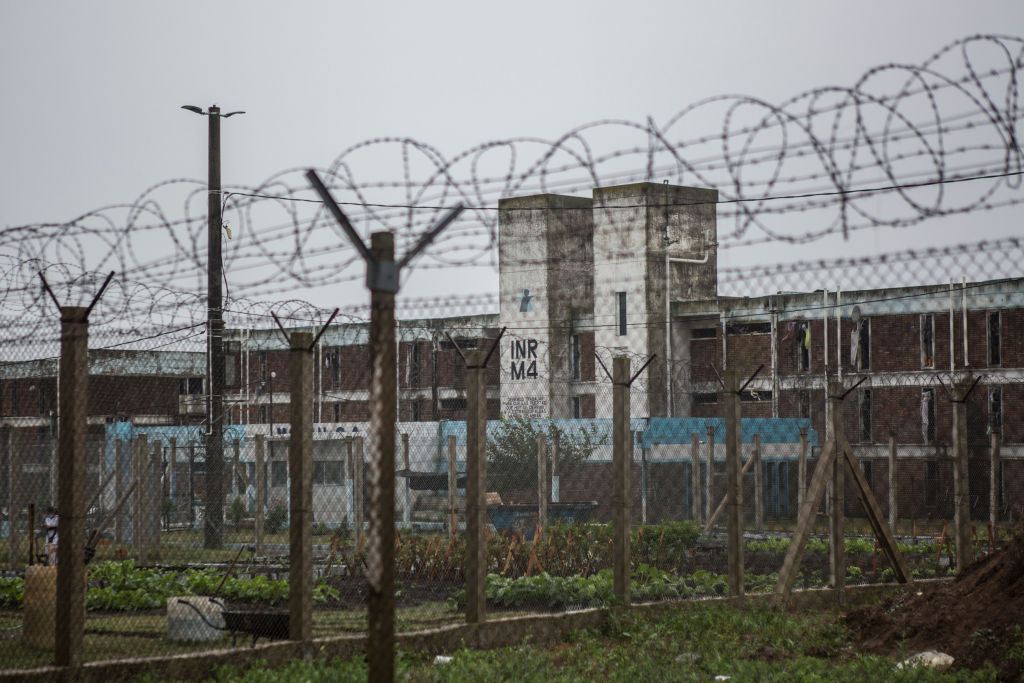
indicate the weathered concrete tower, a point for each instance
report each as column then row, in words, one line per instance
column 653, row 243
column 545, row 274
column 614, row 261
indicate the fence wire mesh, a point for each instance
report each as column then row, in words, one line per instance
column 905, row 367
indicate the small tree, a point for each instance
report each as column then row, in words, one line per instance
column 512, row 452
column 236, row 513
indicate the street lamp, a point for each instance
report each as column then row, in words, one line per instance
column 214, row 517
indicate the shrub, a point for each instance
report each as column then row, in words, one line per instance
column 277, row 518
column 512, row 452
column 236, row 513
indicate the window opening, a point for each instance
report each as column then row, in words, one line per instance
column 994, row 330
column 864, row 403
column 928, row 415
column 927, row 340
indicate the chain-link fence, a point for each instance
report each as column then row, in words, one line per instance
column 627, row 419
column 572, row 458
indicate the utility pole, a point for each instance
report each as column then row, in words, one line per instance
column 214, row 513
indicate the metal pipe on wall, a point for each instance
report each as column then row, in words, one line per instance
column 963, row 312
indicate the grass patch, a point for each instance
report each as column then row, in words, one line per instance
column 695, row 643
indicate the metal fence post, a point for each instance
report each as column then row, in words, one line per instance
column 476, row 488
column 621, row 456
column 74, row 377
column 300, row 470
column 734, row 484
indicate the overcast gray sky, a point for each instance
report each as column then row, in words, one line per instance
column 92, row 90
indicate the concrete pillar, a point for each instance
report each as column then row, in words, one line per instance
column 261, row 495
column 542, row 480
column 709, row 473
column 961, row 490
column 893, row 485
column 993, row 483
column 801, row 471
column 380, row 556
column 300, row 470
column 620, row 479
column 476, row 488
column 758, row 484
column 13, row 498
column 695, row 506
column 837, row 504
column 74, row 399
column 734, row 484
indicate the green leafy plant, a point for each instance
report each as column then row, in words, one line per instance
column 12, row 592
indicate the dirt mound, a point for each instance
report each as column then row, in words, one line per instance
column 976, row 618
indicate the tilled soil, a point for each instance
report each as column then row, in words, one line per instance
column 976, row 618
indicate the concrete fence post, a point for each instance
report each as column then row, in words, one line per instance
column 643, row 476
column 695, row 506
column 380, row 559
column 451, row 520
column 621, row 462
column 837, row 501
column 734, row 484
column 542, row 480
column 141, row 448
column 154, row 498
column 404, row 492
column 709, row 473
column 961, row 490
column 993, row 483
column 74, row 400
column 358, row 500
column 556, row 493
column 13, row 499
column 476, row 488
column 801, row 471
column 893, row 485
column 300, row 470
column 261, row 495
column 172, row 479
column 758, row 484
